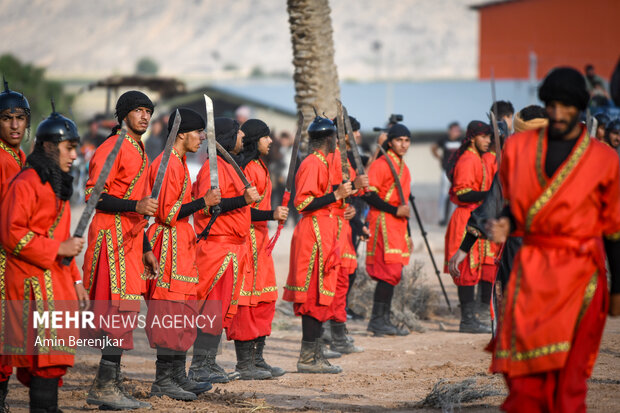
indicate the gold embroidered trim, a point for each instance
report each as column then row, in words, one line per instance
column 50, row 232
column 12, row 153
column 304, row 203
column 613, row 237
column 231, row 256
column 23, row 242
column 321, row 157
column 557, row 182
column 308, row 273
column 2, row 296
column 542, row 179
column 143, row 156
column 177, row 205
column 463, row 191
column 587, row 297
column 96, row 254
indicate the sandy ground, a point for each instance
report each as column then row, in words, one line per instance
column 392, row 374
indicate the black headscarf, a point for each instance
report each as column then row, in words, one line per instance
column 396, row 131
column 42, row 161
column 226, row 130
column 254, row 129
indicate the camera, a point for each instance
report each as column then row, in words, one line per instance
column 394, row 118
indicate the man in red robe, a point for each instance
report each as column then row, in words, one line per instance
column 389, row 245
column 562, row 189
column 36, row 237
column 315, row 252
column 118, row 258
column 222, row 258
column 471, row 178
column 14, row 120
column 173, row 241
column 344, row 211
column 258, row 295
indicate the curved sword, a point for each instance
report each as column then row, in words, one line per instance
column 236, row 167
column 97, row 189
column 165, row 158
column 359, row 165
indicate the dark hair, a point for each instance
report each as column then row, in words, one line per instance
column 455, row 157
column 453, row 124
column 532, row 112
column 504, row 108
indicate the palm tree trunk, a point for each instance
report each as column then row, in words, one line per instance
column 316, row 75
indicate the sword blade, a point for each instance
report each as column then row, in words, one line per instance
column 99, row 185
column 291, row 166
column 359, row 165
column 498, row 153
column 231, row 161
column 211, row 147
column 342, row 145
column 165, row 158
column 399, row 187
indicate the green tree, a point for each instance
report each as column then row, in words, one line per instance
column 147, row 66
column 30, row 80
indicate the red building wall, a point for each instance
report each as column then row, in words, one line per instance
column 560, row 32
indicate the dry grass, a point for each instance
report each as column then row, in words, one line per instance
column 448, row 396
column 413, row 300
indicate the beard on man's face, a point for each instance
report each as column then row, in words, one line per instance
column 559, row 129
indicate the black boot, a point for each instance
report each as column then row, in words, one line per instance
column 105, row 391
column 340, row 342
column 377, row 324
column 44, row 395
column 469, row 322
column 246, row 361
column 180, row 377
column 164, row 385
column 326, row 332
column 4, row 390
column 203, row 367
column 388, row 311
column 260, row 361
column 311, row 359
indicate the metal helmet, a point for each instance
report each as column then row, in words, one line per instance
column 602, row 119
column 12, row 100
column 613, row 126
column 57, row 128
column 321, row 128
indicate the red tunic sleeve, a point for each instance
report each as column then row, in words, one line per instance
column 173, row 189
column 19, row 205
column 311, row 180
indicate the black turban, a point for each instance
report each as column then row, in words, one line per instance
column 130, row 101
column 475, row 128
column 397, row 130
column 254, row 129
column 226, row 132
column 565, row 85
column 190, row 120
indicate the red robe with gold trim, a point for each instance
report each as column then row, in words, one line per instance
column 471, row 173
column 222, row 257
column 257, row 300
column 113, row 267
column 174, row 244
column 11, row 162
column 32, row 234
column 561, row 265
column 389, row 242
column 315, row 254
column 348, row 257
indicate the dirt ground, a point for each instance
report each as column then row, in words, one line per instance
column 392, row 374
